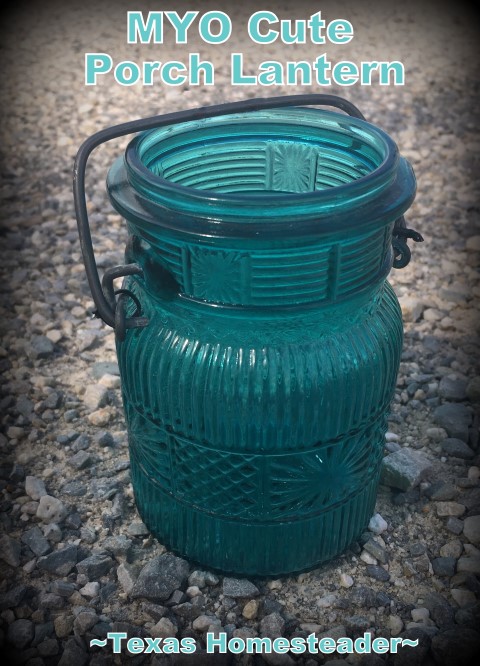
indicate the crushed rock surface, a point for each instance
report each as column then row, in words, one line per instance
column 75, row 559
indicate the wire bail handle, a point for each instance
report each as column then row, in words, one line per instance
column 112, row 309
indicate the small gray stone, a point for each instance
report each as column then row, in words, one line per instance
column 404, row 469
column 440, row 610
column 63, row 625
column 118, row 545
column 177, row 597
column 197, row 578
column 40, row 347
column 51, row 510
column 60, row 562
column 68, row 437
column 455, row 418
column 375, row 549
column 422, row 563
column 451, row 388
column 51, row 601
column 137, row 529
column 73, row 521
column 107, row 590
column 473, row 390
column 378, row 573
column 105, row 488
column 105, row 368
column 104, row 438
column 188, row 611
column 53, row 400
column 272, row 625
column 363, row 597
column 272, row 658
column 450, row 509
column 127, row 575
column 413, row 656
column 471, row 529
column 53, row 533
column 24, row 406
column 160, row 577
column 35, row 488
column 239, row 587
column 452, row 548
column 74, row 488
column 456, row 646
column 20, row 633
column 336, row 632
column 357, row 624
column 88, row 535
column 62, row 588
column 84, row 621
column 469, row 565
column 454, row 525
column 441, row 491
column 80, row 444
column 416, row 549
column 457, row 448
column 95, row 566
column 81, row 460
column 10, row 550
column 154, row 610
column 48, row 647
column 36, row 541
column 42, row 630
column 462, row 598
column 469, row 616
column 444, row 566
column 73, row 655
column 164, row 629
column 326, row 601
column 13, row 597
column 211, row 579
column 203, row 622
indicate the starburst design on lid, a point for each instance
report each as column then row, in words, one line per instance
column 293, row 167
column 218, row 275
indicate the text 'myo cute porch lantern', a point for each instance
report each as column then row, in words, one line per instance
column 258, row 339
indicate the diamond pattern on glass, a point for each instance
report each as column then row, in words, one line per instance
column 150, row 447
column 221, row 483
column 219, row 276
column 292, row 167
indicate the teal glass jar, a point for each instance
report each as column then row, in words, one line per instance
column 259, row 340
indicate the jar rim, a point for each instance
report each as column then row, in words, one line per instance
column 160, row 199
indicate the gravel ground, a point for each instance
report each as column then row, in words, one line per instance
column 75, row 558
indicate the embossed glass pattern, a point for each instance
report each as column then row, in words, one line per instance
column 256, row 398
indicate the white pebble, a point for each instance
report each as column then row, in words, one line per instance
column 164, row 629
column 202, row 622
column 377, row 524
column 396, row 624
column 346, row 580
column 474, row 473
column 51, row 510
column 392, row 437
column 420, row 614
column 367, row 558
column 35, row 488
column 90, row 590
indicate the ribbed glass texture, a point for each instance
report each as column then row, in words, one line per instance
column 256, row 398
